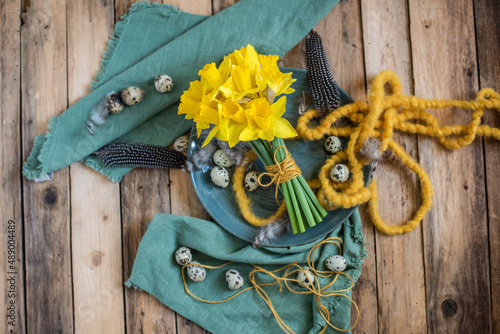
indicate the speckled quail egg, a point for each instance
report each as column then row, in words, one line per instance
column 336, row 263
column 332, row 144
column 183, row 256
column 234, row 280
column 222, row 159
column 339, row 173
column 132, row 95
column 251, row 181
column 196, row 273
column 114, row 104
column 305, row 277
column 164, row 83
column 220, row 176
column 181, row 144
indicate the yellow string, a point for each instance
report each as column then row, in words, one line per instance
column 315, row 289
column 379, row 118
column 280, row 172
column 244, row 202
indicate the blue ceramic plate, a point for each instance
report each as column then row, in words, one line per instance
column 309, row 155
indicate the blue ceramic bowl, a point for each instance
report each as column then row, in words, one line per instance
column 309, row 155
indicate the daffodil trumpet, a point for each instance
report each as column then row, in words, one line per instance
column 236, row 101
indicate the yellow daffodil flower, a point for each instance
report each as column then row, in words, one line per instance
column 268, row 62
column 197, row 106
column 232, row 120
column 265, row 122
column 279, row 82
column 216, row 77
column 244, row 56
column 236, row 98
column 233, row 111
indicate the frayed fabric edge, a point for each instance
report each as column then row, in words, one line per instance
column 113, row 174
column 34, row 167
column 114, row 42
column 130, row 284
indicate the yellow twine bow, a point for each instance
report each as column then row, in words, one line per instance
column 316, row 288
column 280, row 172
column 243, row 201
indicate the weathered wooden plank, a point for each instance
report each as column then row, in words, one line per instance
column 399, row 258
column 455, row 229
column 193, row 6
column 144, row 193
column 95, row 203
column 49, row 305
column 11, row 243
column 488, row 54
column 183, row 199
column 218, row 5
column 343, row 40
column 122, row 6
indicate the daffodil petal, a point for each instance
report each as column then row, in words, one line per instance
column 223, row 132
column 249, row 134
column 200, row 126
column 279, row 107
column 267, row 134
column 251, row 56
column 212, row 75
column 225, row 68
column 269, row 61
column 234, row 134
column 211, row 135
column 284, row 129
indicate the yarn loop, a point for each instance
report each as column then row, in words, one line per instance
column 379, row 118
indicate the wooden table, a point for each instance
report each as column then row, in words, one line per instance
column 75, row 238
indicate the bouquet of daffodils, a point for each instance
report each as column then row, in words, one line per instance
column 237, row 99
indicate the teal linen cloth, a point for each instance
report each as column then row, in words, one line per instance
column 156, row 272
column 160, row 39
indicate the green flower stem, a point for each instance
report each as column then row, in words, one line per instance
column 313, row 206
column 291, row 213
column 295, row 207
column 263, row 154
column 315, row 213
column 310, row 194
column 301, row 207
column 304, row 209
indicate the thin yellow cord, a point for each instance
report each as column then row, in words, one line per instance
column 280, row 172
column 243, row 201
column 379, row 118
column 315, row 289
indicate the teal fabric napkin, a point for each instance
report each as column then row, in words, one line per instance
column 160, row 39
column 156, row 272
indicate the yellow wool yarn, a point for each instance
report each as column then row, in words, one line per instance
column 379, row 118
column 242, row 198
